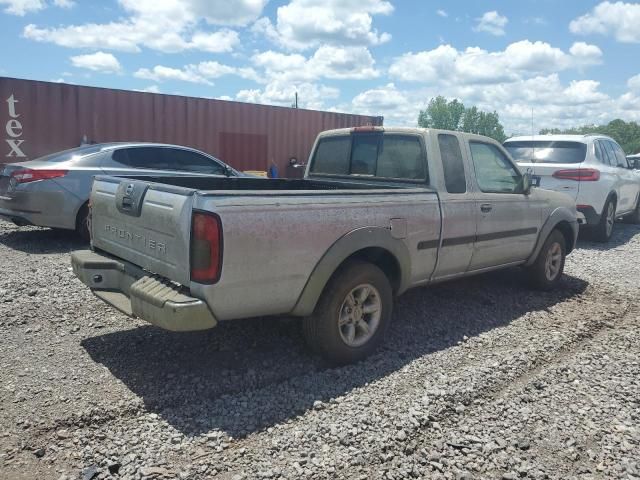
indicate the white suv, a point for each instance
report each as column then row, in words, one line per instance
column 590, row 168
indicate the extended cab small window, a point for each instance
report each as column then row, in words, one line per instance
column 452, row 163
column 494, row 172
column 371, row 154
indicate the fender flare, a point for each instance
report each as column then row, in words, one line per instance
column 343, row 248
column 560, row 214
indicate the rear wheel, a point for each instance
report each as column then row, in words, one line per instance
column 352, row 314
column 83, row 223
column 603, row 231
column 546, row 271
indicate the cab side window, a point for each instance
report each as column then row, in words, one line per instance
column 452, row 163
column 494, row 172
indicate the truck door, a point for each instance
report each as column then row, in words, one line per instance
column 508, row 220
column 459, row 215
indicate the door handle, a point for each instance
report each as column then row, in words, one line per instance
column 486, row 207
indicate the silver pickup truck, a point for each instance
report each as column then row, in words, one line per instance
column 380, row 210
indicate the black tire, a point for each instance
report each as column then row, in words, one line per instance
column 83, row 220
column 603, row 231
column 634, row 217
column 541, row 275
column 323, row 331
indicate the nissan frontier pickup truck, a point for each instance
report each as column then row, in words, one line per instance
column 379, row 210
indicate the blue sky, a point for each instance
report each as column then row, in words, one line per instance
column 573, row 62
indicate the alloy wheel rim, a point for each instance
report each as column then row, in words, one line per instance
column 610, row 219
column 359, row 315
column 553, row 261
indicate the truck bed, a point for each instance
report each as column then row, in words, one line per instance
column 212, row 184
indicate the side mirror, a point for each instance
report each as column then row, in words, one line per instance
column 527, row 182
column 635, row 164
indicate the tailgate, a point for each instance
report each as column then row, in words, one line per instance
column 147, row 224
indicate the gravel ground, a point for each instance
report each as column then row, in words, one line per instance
column 480, row 378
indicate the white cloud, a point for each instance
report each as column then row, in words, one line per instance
column 203, row 72
column 399, row 108
column 619, row 19
column 151, row 89
column 634, row 82
column 555, row 103
column 477, row 66
column 162, row 73
column 442, row 13
column 98, row 62
column 303, row 24
column 167, row 26
column 310, row 95
column 225, row 12
column 22, row 7
column 217, row 42
column 326, row 62
column 491, row 22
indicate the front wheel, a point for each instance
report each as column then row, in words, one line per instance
column 546, row 271
column 352, row 314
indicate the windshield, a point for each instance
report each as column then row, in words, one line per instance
column 65, row 155
column 547, row 151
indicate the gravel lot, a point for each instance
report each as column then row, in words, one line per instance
column 480, row 378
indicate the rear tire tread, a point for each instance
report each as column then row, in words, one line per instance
column 320, row 329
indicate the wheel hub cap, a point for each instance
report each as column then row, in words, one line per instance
column 360, row 315
column 553, row 261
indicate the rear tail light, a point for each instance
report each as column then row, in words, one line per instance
column 578, row 174
column 26, row 175
column 206, row 247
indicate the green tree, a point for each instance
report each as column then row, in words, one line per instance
column 627, row 134
column 452, row 115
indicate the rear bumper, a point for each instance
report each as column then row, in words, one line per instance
column 141, row 294
column 592, row 218
column 16, row 213
column 52, row 208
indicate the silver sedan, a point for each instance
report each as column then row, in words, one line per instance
column 53, row 191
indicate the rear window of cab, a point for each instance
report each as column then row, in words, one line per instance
column 390, row 156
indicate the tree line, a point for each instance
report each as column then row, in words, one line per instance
column 453, row 115
column 627, row 134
